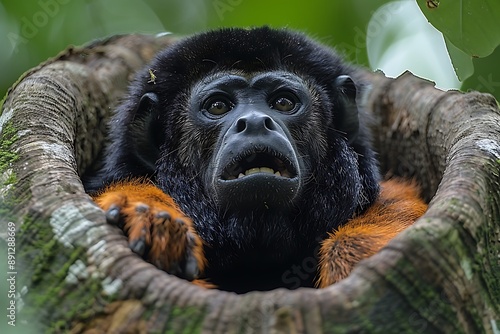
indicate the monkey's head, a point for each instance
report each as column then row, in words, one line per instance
column 255, row 133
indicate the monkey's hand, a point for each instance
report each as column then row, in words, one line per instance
column 397, row 207
column 156, row 228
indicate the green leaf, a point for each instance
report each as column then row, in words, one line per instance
column 462, row 62
column 473, row 26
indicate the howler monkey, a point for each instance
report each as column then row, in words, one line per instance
column 247, row 162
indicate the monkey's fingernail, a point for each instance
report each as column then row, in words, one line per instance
column 138, row 246
column 142, row 208
column 164, row 215
column 113, row 215
column 190, row 240
column 180, row 221
column 191, row 268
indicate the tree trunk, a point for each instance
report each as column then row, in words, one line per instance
column 73, row 272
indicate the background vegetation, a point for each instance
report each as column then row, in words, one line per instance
column 391, row 36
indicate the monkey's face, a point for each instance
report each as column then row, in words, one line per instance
column 255, row 162
column 253, row 140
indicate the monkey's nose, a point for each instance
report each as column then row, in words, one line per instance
column 255, row 124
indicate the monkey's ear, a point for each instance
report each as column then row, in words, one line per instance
column 347, row 117
column 147, row 131
column 147, row 104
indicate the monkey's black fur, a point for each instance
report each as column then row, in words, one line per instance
column 167, row 138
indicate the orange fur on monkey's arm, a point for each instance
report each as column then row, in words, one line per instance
column 155, row 226
column 397, row 207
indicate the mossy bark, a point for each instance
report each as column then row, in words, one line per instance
column 76, row 273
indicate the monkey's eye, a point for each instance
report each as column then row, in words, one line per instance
column 284, row 103
column 218, row 106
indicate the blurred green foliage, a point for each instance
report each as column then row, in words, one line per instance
column 34, row 30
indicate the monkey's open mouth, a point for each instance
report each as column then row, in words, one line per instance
column 247, row 164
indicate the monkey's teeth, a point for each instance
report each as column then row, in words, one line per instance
column 256, row 170
column 267, row 170
column 252, row 171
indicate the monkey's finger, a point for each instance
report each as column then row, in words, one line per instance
column 113, row 215
column 137, row 227
column 138, row 246
column 191, row 265
column 159, row 252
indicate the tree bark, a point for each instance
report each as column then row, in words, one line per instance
column 74, row 272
